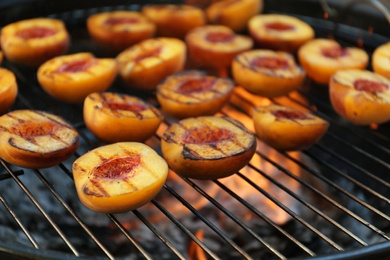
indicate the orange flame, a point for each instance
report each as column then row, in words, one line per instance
column 194, row 250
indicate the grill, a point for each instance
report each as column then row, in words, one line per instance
column 328, row 202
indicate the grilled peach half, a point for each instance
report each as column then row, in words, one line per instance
column 267, row 73
column 119, row 177
column 234, row 14
column 36, row 139
column 1, row 57
column 8, row 90
column 114, row 117
column 193, row 93
column 147, row 63
column 34, row 41
column 287, row 129
column 381, row 60
column 215, row 46
column 118, row 30
column 70, row 78
column 360, row 96
column 321, row 58
column 279, row 32
column 174, row 20
column 208, row 147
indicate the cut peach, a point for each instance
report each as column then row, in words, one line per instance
column 1, row 57
column 321, row 58
column 360, row 96
column 215, row 46
column 8, row 90
column 36, row 139
column 279, row 32
column 381, row 60
column 287, row 129
column 113, row 117
column 267, row 73
column 118, row 30
column 34, row 41
column 234, row 14
column 174, row 20
column 193, row 93
column 208, row 147
column 147, row 63
column 119, row 177
column 70, row 78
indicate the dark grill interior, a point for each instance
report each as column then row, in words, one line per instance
column 330, row 200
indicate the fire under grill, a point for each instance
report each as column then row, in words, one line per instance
column 330, row 201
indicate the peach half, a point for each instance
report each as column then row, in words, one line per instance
column 381, row 60
column 287, row 129
column 34, row 41
column 215, row 46
column 149, row 62
column 267, row 73
column 119, row 177
column 114, row 117
column 174, row 20
column 118, row 30
column 208, row 147
column 279, row 32
column 234, row 14
column 193, row 93
column 321, row 58
column 8, row 89
column 360, row 96
column 71, row 78
column 36, row 139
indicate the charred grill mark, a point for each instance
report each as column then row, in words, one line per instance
column 97, row 184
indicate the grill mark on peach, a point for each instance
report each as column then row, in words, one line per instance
column 29, row 130
column 219, row 37
column 147, row 52
column 294, row 116
column 141, row 162
column 97, row 184
column 268, row 62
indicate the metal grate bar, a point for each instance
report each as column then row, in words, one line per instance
column 43, row 212
column 20, row 224
column 239, row 222
column 265, row 218
column 185, row 230
column 74, row 215
column 128, row 236
column 208, row 223
column 333, row 202
column 158, row 234
column 291, row 213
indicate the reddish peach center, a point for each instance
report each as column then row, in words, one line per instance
column 370, row 86
column 35, row 32
column 289, row 114
column 30, row 130
column 215, row 37
column 205, row 135
column 128, row 106
column 148, row 53
column 196, row 85
column 76, row 66
column 117, row 168
column 121, row 20
column 269, row 63
column 279, row 26
column 334, row 52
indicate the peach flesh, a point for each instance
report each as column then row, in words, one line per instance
column 269, row 63
column 35, row 32
column 289, row 114
column 369, row 86
column 206, row 135
column 117, row 168
column 196, row 85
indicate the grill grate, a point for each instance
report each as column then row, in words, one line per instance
column 342, row 203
